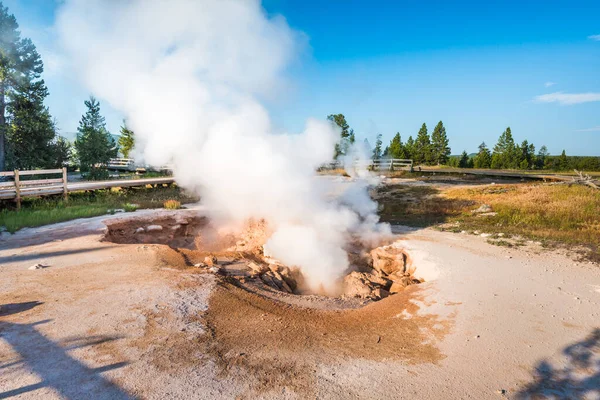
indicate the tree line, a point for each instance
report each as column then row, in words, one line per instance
column 29, row 136
column 434, row 149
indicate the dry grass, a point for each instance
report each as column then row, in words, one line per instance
column 553, row 214
column 172, row 204
column 549, row 212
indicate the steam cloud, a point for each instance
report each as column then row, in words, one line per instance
column 187, row 74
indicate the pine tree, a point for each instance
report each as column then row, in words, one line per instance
column 95, row 146
column 20, row 71
column 409, row 148
column 347, row 137
column 505, row 155
column 31, row 131
column 439, row 145
column 377, row 148
column 127, row 140
column 422, row 151
column 563, row 163
column 61, row 152
column 532, row 158
column 464, row 160
column 542, row 157
column 396, row 148
column 483, row 159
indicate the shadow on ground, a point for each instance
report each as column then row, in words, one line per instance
column 417, row 206
column 36, row 255
column 578, row 379
column 52, row 364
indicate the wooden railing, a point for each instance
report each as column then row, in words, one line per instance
column 19, row 188
column 127, row 164
column 382, row 164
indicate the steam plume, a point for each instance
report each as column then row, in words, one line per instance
column 187, row 74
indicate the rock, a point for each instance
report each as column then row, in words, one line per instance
column 140, row 230
column 365, row 285
column 38, row 266
column 258, row 269
column 215, row 269
column 484, row 208
column 154, row 228
column 210, row 260
column 356, row 286
column 175, row 227
column 400, row 284
column 485, row 235
column 380, row 293
column 388, row 260
column 276, row 281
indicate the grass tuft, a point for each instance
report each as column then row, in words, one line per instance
column 172, row 204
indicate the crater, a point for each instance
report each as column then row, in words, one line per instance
column 193, row 241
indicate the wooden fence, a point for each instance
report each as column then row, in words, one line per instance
column 383, row 164
column 19, row 187
column 121, row 164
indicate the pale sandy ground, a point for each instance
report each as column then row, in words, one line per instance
column 108, row 321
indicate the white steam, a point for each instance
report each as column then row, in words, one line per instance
column 187, row 74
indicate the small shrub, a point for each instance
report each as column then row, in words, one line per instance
column 96, row 174
column 172, row 205
column 130, row 207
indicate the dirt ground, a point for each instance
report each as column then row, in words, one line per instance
column 120, row 321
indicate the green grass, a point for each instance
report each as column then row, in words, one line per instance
column 14, row 221
column 50, row 210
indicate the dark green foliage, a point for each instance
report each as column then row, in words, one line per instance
column 377, row 149
column 127, row 140
column 347, row 137
column 422, row 147
column 95, row 146
column 483, row 159
column 396, row 148
column 465, row 161
column 62, row 150
column 439, row 145
column 505, row 154
column 409, row 148
column 526, row 155
column 31, row 131
column 540, row 161
column 27, row 135
column 563, row 163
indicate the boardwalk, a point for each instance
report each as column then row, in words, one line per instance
column 19, row 188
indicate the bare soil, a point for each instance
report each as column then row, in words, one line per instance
column 135, row 320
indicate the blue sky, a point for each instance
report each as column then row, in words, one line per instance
column 389, row 66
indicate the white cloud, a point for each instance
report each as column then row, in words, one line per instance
column 567, row 98
column 594, row 37
column 548, row 84
column 593, row 129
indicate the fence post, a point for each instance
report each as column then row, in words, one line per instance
column 65, row 189
column 17, row 189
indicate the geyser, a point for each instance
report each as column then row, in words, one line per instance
column 188, row 76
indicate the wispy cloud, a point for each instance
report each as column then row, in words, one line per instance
column 567, row 98
column 593, row 129
column 548, row 84
column 594, row 37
